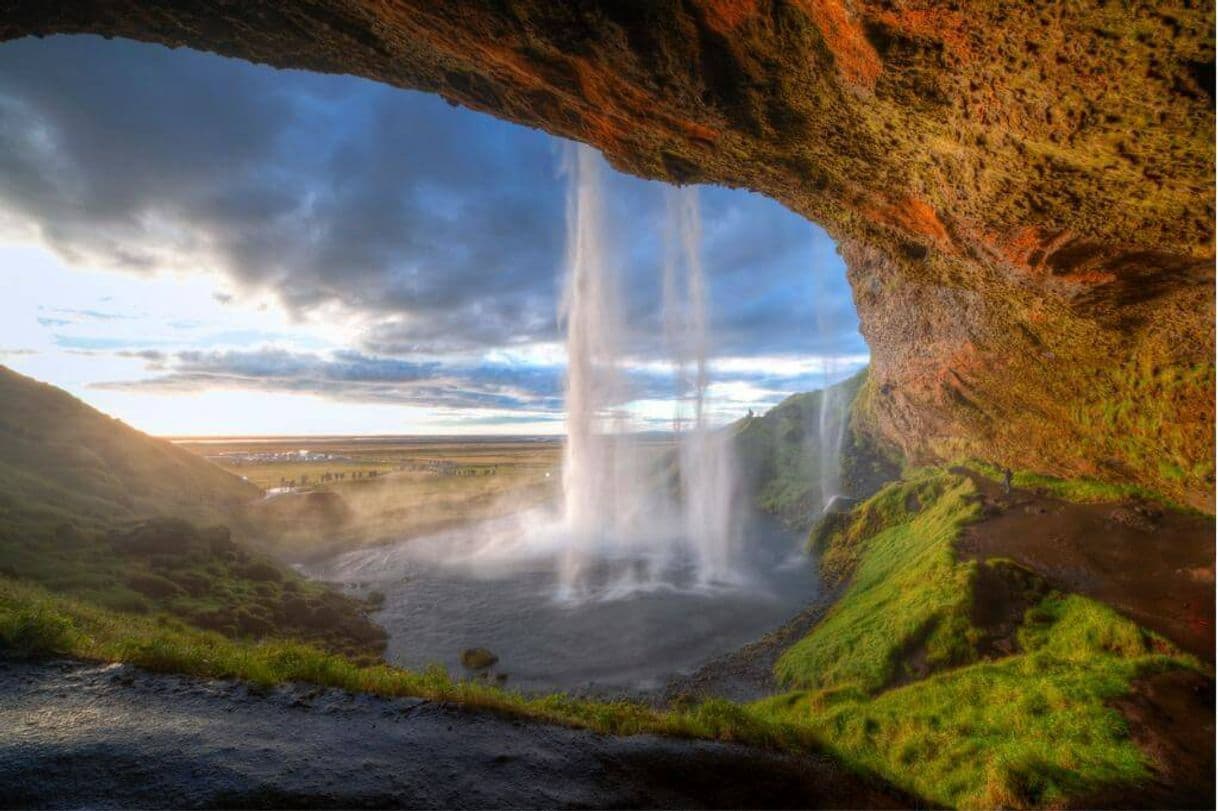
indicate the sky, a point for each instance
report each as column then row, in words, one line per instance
column 201, row 246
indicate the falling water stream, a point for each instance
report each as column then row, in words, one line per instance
column 617, row 503
column 834, row 411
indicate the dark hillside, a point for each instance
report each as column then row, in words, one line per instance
column 93, row 508
column 61, row 460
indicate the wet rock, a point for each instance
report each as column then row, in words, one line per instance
column 477, row 658
column 840, row 504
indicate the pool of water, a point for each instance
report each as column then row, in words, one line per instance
column 634, row 621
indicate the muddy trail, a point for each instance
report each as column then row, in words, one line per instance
column 1154, row 565
column 112, row 736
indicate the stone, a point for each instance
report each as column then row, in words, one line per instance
column 477, row 658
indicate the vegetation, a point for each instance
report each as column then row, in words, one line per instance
column 897, row 679
column 83, row 501
column 1157, row 418
column 780, row 453
column 907, row 589
column 203, row 577
column 1078, row 490
column 36, row 622
column 61, row 460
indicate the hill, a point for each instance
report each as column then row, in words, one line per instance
column 61, row 460
column 798, row 453
column 92, row 508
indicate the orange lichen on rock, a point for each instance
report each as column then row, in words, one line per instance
column 724, row 16
column 1087, row 278
column 697, row 131
column 910, row 215
column 856, row 60
column 1026, row 248
column 938, row 24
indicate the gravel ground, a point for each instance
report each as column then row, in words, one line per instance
column 79, row 734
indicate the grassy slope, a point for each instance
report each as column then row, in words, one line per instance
column 1078, row 490
column 779, row 454
column 75, row 488
column 61, row 460
column 34, row 621
column 1031, row 728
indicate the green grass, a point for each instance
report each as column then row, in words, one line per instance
column 1083, row 491
column 1031, row 729
column 61, row 460
column 907, row 588
column 200, row 576
column 779, row 453
column 37, row 622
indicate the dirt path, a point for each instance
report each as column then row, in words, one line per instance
column 1156, row 566
column 111, row 736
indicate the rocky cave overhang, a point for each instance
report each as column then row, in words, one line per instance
column 1023, row 191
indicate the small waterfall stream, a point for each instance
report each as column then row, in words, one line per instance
column 834, row 410
column 710, row 512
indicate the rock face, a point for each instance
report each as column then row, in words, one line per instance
column 1023, row 191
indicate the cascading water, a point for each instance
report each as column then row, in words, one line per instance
column 615, row 504
column 651, row 577
column 833, row 413
column 709, row 513
column 831, row 431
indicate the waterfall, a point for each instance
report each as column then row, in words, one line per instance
column 615, row 506
column 833, row 413
column 831, row 432
column 705, row 466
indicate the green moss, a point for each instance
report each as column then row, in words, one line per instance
column 907, row 589
column 1083, row 491
column 1032, row 729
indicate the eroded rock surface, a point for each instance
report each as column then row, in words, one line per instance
column 1023, row 191
column 80, row 735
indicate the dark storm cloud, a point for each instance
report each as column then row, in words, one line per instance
column 319, row 188
column 442, row 229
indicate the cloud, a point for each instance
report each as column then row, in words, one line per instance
column 353, row 376
column 436, row 231
column 348, row 376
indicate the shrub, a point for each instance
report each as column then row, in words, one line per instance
column 36, row 630
column 262, row 570
column 153, row 585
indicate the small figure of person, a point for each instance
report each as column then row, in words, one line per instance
column 1006, row 480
